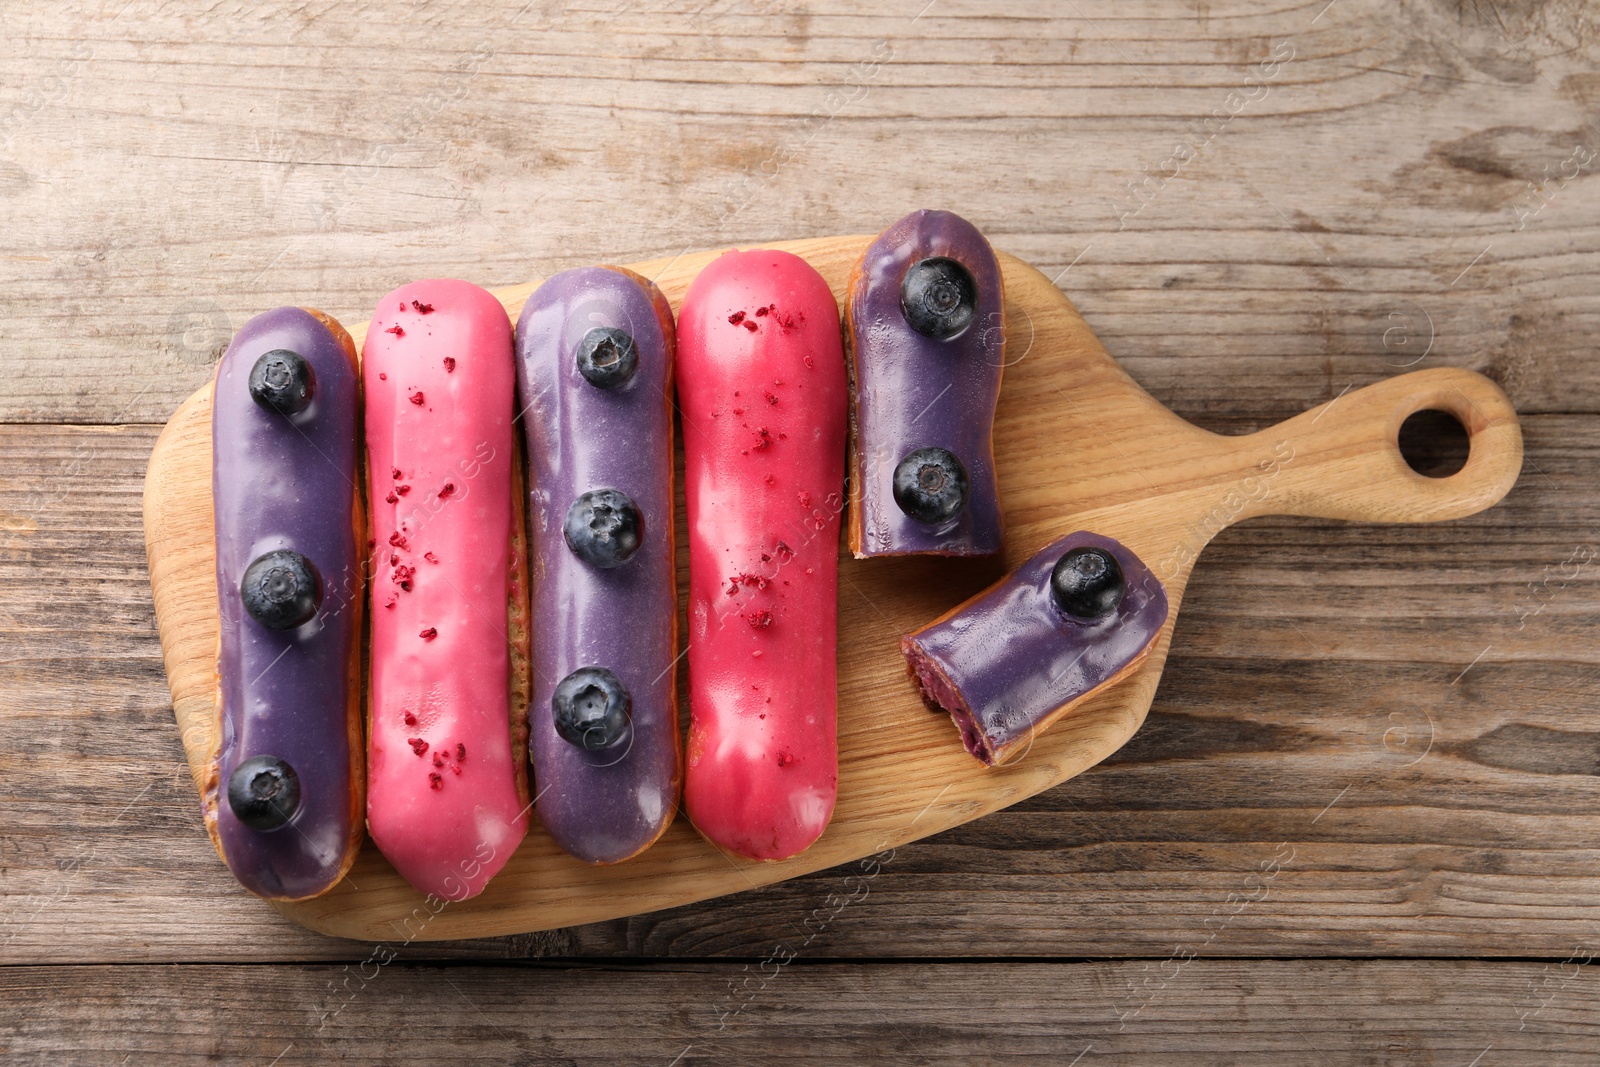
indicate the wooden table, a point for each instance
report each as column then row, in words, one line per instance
column 1255, row 206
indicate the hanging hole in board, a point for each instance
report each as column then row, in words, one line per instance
column 1434, row 443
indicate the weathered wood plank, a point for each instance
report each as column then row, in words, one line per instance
column 1309, row 658
column 1358, row 185
column 1145, row 1011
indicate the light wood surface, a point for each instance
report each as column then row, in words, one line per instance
column 1412, row 709
column 1078, row 446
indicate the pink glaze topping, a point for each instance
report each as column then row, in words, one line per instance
column 761, row 384
column 445, row 801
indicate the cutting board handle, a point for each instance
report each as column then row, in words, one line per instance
column 1342, row 460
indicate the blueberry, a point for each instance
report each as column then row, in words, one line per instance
column 607, row 357
column 938, row 297
column 264, row 792
column 592, row 708
column 930, row 485
column 281, row 590
column 1087, row 583
column 282, row 381
column 603, row 528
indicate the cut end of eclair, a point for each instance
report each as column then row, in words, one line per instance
column 939, row 694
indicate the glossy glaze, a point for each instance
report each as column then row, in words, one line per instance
column 1007, row 662
column 446, row 796
column 909, row 391
column 761, row 384
column 290, row 483
column 601, row 806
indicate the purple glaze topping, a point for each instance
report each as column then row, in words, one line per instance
column 910, row 391
column 601, row 806
column 1007, row 660
column 288, row 483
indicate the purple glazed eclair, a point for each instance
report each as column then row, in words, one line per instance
column 1078, row 616
column 594, row 381
column 284, row 791
column 924, row 323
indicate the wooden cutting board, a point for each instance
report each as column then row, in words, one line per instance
column 1078, row 445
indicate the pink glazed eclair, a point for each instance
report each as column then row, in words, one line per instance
column 447, row 799
column 761, row 384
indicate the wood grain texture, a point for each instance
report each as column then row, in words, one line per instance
column 172, row 171
column 1393, row 202
column 1266, row 1013
column 1137, row 473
